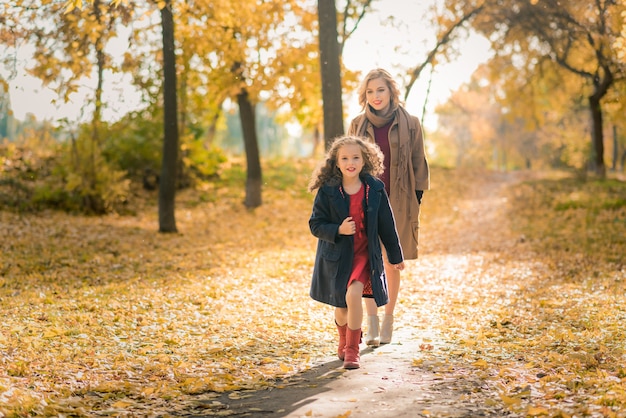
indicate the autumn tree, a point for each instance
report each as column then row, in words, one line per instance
column 615, row 107
column 227, row 58
column 542, row 129
column 469, row 125
column 69, row 47
column 247, row 52
column 577, row 36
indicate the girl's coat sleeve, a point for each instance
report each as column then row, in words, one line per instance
column 321, row 223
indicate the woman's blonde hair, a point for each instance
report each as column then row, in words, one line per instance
column 329, row 173
column 391, row 84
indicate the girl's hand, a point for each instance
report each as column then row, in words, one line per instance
column 347, row 227
column 399, row 266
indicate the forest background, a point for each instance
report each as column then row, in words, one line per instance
column 235, row 99
column 253, row 81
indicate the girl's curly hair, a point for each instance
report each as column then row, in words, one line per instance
column 329, row 173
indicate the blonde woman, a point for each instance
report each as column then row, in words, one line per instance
column 385, row 121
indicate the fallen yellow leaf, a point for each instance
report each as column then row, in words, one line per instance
column 480, row 363
column 536, row 411
column 122, row 404
column 510, row 401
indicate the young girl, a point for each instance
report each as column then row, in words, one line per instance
column 351, row 217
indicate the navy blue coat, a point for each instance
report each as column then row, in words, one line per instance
column 333, row 259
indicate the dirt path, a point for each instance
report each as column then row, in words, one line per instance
column 426, row 371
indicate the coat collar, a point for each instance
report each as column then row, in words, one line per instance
column 374, row 184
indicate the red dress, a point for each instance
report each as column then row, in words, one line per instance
column 360, row 261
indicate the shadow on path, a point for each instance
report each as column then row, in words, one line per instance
column 392, row 382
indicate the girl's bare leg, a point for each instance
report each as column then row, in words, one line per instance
column 354, row 298
column 341, row 316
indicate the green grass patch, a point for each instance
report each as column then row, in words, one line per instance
column 277, row 175
column 576, row 221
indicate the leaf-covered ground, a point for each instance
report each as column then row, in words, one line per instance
column 524, row 281
column 519, row 283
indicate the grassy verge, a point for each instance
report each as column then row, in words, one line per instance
column 578, row 223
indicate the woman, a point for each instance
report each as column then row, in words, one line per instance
column 386, row 122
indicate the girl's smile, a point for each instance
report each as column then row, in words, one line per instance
column 350, row 161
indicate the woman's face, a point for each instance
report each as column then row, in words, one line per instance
column 378, row 94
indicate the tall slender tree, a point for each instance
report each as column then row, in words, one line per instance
column 167, row 183
column 330, row 68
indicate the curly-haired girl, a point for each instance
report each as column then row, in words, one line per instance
column 351, row 217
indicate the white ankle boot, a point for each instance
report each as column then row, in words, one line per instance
column 386, row 330
column 372, row 337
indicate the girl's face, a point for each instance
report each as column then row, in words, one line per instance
column 378, row 94
column 350, row 160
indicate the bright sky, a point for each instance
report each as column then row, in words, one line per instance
column 378, row 42
column 29, row 96
column 402, row 42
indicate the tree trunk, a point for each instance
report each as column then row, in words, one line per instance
column 597, row 137
column 100, row 62
column 167, row 181
column 330, row 71
column 615, row 149
column 248, row 127
column 212, row 129
column 92, row 200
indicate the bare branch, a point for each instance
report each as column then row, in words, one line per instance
column 445, row 38
column 345, row 33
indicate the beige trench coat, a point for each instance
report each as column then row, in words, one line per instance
column 404, row 180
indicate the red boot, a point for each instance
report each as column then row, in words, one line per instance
column 341, row 350
column 353, row 339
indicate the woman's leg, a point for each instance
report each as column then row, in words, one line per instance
column 372, row 336
column 370, row 306
column 393, row 286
